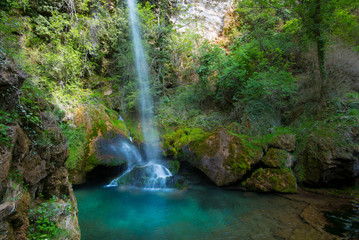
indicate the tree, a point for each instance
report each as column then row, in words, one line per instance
column 317, row 21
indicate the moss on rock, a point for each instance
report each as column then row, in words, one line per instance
column 174, row 142
column 223, row 157
column 276, row 158
column 173, row 166
column 93, row 123
column 272, row 180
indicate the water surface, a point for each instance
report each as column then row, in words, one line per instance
column 202, row 212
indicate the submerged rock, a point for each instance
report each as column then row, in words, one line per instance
column 148, row 176
column 272, row 180
column 224, row 158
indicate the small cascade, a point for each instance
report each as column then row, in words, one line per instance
column 147, row 172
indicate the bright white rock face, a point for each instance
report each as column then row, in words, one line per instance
column 204, row 17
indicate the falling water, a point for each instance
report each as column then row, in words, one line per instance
column 150, row 135
column 152, row 171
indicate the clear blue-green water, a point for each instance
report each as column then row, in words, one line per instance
column 202, row 212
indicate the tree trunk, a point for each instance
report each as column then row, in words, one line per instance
column 320, row 42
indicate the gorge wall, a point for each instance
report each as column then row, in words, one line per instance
column 37, row 199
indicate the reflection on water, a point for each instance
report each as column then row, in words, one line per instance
column 197, row 213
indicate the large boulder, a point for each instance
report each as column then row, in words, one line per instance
column 272, row 180
column 224, row 158
column 330, row 157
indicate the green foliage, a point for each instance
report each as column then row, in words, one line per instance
column 77, row 143
column 185, row 108
column 29, row 107
column 5, row 119
column 42, row 224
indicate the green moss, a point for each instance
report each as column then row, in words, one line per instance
column 135, row 129
column 120, row 126
column 173, row 166
column 269, row 138
column 275, row 158
column 244, row 152
column 174, row 141
column 77, row 144
column 91, row 162
column 275, row 180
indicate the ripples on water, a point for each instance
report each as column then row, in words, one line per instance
column 197, row 213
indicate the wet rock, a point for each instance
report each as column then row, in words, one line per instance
column 283, row 141
column 272, row 180
column 145, row 176
column 224, row 158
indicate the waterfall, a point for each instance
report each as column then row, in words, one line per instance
column 146, row 106
column 149, row 174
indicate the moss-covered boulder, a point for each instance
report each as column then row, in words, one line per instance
column 277, row 158
column 223, row 157
column 330, row 156
column 96, row 125
column 272, row 180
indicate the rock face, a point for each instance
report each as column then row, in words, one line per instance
column 11, row 79
column 331, row 159
column 203, row 17
column 32, row 169
column 224, row 158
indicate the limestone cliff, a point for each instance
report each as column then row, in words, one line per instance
column 204, row 17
